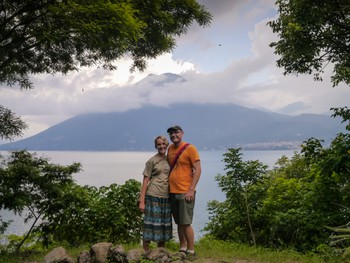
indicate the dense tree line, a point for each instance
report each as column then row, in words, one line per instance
column 10, row 124
column 59, row 210
column 303, row 203
column 313, row 35
column 298, row 204
column 54, row 36
column 294, row 205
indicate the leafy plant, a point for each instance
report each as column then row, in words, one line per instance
column 341, row 238
column 10, row 124
column 34, row 188
column 61, row 210
column 311, row 36
column 64, row 36
column 290, row 205
column 232, row 219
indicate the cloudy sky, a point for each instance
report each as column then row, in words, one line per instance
column 228, row 62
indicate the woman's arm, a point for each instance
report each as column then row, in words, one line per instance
column 143, row 193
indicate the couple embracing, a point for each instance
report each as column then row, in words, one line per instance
column 169, row 188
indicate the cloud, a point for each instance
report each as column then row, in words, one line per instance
column 229, row 62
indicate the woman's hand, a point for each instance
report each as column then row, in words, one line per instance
column 142, row 206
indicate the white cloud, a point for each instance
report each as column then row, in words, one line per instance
column 230, row 62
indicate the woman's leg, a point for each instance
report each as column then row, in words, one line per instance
column 145, row 245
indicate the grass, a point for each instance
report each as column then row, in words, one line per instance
column 208, row 250
column 218, row 251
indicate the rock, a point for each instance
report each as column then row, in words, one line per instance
column 58, row 255
column 135, row 255
column 84, row 257
column 117, row 254
column 99, row 252
column 104, row 252
column 181, row 255
column 157, row 253
column 164, row 259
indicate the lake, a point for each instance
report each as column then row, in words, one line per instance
column 105, row 168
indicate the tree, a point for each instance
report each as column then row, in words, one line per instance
column 55, row 36
column 101, row 214
column 232, row 219
column 57, row 209
column 34, row 188
column 10, row 124
column 313, row 34
column 294, row 205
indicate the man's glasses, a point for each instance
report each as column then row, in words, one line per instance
column 174, row 132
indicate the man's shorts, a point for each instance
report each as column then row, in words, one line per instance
column 181, row 209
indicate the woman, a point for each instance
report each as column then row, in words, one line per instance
column 154, row 197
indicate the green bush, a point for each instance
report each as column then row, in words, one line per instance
column 291, row 205
column 63, row 211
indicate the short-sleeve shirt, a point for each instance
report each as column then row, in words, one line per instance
column 180, row 178
column 157, row 169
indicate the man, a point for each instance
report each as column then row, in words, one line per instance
column 185, row 170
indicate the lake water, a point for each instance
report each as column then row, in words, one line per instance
column 105, row 168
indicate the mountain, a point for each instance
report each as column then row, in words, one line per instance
column 208, row 126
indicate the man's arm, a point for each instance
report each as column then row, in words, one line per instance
column 197, row 170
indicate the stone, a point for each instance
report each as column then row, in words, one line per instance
column 157, row 253
column 84, row 257
column 135, row 255
column 99, row 252
column 117, row 254
column 58, row 255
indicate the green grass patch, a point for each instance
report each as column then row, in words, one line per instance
column 207, row 249
column 220, row 251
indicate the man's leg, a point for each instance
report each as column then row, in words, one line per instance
column 181, row 231
column 189, row 233
column 185, row 230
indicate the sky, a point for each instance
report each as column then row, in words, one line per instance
column 229, row 61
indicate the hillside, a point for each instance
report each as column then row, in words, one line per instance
column 208, row 126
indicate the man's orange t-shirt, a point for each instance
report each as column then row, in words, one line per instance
column 180, row 178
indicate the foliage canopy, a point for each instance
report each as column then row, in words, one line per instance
column 291, row 205
column 10, row 124
column 57, row 209
column 50, row 36
column 313, row 34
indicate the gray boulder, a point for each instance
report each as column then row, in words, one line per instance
column 58, row 255
column 99, row 252
column 84, row 257
column 135, row 255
